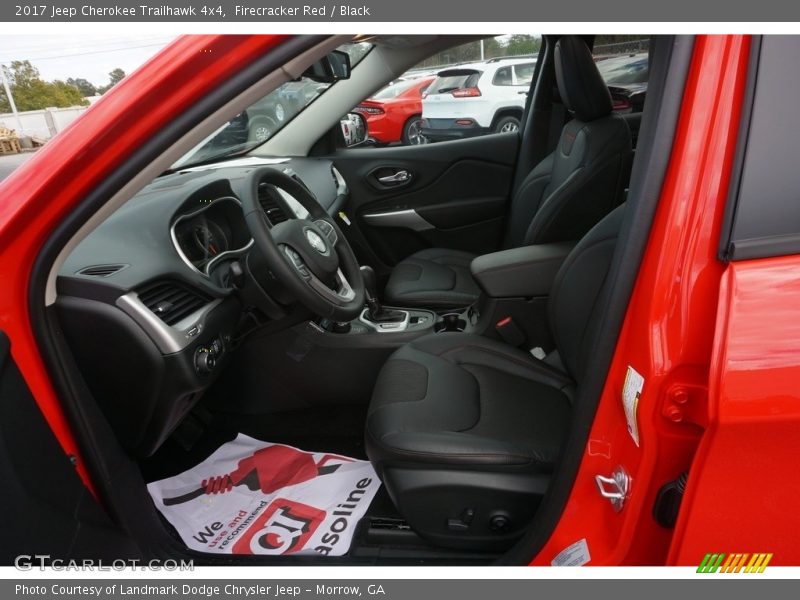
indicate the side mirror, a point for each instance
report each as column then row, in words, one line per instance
column 331, row 68
column 354, row 129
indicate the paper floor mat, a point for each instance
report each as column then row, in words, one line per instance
column 254, row 497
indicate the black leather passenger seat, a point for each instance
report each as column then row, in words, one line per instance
column 562, row 197
column 465, row 431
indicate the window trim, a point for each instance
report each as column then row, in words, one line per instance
column 731, row 250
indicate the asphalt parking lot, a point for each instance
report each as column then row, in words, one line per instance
column 11, row 161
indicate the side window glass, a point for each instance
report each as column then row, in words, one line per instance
column 623, row 61
column 524, row 73
column 503, row 77
column 462, row 92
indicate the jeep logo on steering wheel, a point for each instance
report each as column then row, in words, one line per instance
column 316, row 241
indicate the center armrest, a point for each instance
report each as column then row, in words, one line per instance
column 525, row 271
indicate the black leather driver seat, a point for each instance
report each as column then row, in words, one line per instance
column 465, row 431
column 562, row 197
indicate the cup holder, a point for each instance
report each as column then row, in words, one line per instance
column 450, row 322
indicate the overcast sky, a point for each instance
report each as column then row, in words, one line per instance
column 86, row 56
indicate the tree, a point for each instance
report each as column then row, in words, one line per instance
column 610, row 45
column 521, row 44
column 114, row 77
column 493, row 47
column 86, row 87
column 31, row 92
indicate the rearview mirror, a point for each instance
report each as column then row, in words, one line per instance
column 331, row 68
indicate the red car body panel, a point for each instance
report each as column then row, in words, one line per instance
column 746, row 475
column 716, row 344
column 387, row 127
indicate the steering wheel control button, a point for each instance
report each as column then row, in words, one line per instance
column 297, row 262
column 326, row 228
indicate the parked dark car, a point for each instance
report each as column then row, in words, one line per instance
column 261, row 120
column 294, row 96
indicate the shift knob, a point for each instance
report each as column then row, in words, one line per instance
column 370, row 283
column 375, row 312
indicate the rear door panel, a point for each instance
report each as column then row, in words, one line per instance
column 458, row 191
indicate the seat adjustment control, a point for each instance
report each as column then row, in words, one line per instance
column 499, row 523
column 463, row 522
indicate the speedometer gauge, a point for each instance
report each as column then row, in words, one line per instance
column 204, row 237
column 209, row 239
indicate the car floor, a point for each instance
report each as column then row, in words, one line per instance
column 330, row 429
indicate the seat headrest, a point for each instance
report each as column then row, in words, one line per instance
column 580, row 84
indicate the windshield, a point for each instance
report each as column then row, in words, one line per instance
column 627, row 70
column 265, row 117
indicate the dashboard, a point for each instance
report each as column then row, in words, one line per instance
column 155, row 284
column 188, row 224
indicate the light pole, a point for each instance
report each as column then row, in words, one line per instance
column 10, row 98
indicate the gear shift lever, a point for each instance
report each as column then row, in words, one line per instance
column 375, row 312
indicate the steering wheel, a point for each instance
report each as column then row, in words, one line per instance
column 310, row 256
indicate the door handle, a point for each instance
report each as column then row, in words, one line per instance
column 401, row 176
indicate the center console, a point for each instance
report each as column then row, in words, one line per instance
column 516, row 284
column 412, row 322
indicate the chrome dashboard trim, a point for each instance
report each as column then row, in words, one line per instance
column 394, row 327
column 169, row 339
column 408, row 219
column 341, row 184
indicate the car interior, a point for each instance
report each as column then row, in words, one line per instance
column 445, row 311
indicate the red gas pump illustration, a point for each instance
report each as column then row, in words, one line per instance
column 268, row 469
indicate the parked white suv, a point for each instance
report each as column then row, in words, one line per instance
column 476, row 98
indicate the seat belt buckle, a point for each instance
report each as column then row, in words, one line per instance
column 509, row 331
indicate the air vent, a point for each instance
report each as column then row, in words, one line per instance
column 171, row 301
column 101, row 270
column 267, row 198
column 338, row 181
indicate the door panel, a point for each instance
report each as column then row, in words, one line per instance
column 46, row 509
column 407, row 198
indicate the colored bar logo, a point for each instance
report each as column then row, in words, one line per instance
column 734, row 563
